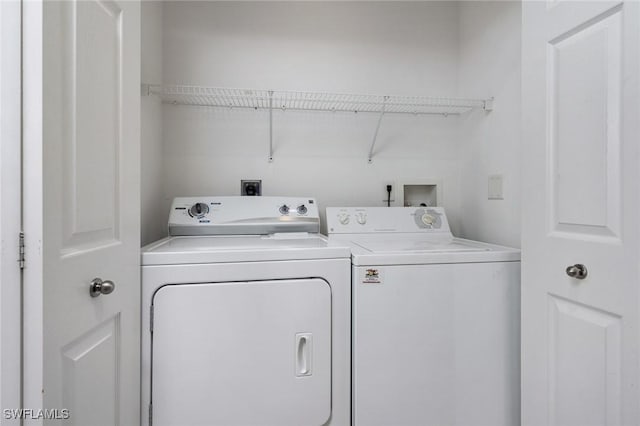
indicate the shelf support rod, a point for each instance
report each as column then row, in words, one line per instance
column 488, row 104
column 271, row 126
column 145, row 89
column 375, row 135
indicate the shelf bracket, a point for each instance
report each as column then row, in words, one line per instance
column 271, row 126
column 148, row 89
column 488, row 104
column 375, row 135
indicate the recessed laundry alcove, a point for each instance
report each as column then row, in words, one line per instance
column 342, row 97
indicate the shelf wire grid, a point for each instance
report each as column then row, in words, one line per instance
column 313, row 101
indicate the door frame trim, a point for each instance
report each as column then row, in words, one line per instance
column 33, row 196
column 10, row 202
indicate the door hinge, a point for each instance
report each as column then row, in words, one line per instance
column 150, row 414
column 21, row 250
column 151, row 319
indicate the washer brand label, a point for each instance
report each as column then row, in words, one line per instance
column 372, row 276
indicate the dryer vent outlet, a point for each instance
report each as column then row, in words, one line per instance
column 251, row 187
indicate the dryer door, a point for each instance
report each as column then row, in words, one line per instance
column 242, row 353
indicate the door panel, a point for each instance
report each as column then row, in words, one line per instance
column 93, row 362
column 585, row 352
column 581, row 103
column 220, row 348
column 92, row 131
column 91, row 223
column 584, row 122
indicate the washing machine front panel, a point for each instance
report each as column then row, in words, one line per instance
column 436, row 345
column 204, row 344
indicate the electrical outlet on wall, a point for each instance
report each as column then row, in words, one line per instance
column 385, row 186
column 251, row 187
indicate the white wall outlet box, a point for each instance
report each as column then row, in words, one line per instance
column 425, row 195
column 418, row 192
column 495, row 187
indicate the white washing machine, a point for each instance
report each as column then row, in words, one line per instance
column 246, row 313
column 436, row 322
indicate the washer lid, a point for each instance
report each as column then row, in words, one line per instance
column 245, row 248
column 419, row 249
column 404, row 245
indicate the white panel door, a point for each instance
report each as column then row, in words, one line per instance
column 581, row 100
column 243, row 354
column 91, row 209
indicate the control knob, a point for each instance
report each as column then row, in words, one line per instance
column 302, row 209
column 284, row 209
column 199, row 210
column 343, row 218
column 361, row 218
column 427, row 219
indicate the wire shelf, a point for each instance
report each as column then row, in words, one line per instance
column 271, row 100
column 314, row 101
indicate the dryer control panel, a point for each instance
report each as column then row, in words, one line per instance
column 374, row 220
column 243, row 215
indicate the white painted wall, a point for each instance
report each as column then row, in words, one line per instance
column 154, row 217
column 353, row 47
column 489, row 65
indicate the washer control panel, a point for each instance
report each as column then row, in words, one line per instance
column 364, row 220
column 243, row 215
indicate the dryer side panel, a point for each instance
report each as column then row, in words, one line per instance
column 242, row 353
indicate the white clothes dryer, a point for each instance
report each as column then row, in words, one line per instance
column 246, row 313
column 436, row 321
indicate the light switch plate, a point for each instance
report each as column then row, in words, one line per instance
column 495, row 187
